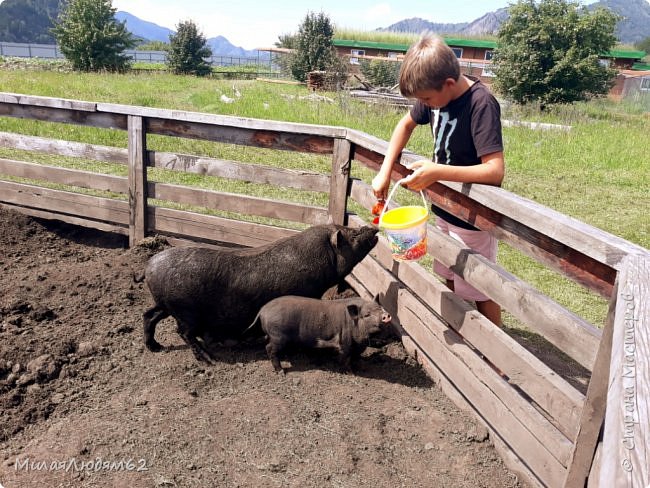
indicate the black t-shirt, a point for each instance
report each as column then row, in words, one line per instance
column 463, row 131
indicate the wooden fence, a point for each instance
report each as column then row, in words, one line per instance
column 545, row 429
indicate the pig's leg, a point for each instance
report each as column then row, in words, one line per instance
column 188, row 333
column 151, row 317
column 272, row 349
column 345, row 353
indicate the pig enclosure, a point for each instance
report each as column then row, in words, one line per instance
column 545, row 428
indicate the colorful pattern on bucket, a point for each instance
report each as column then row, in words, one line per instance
column 408, row 244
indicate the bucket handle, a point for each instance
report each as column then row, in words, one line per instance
column 390, row 195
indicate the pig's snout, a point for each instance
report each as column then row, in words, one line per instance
column 385, row 317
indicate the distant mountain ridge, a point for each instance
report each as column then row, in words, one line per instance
column 30, row 21
column 153, row 32
column 142, row 28
column 633, row 27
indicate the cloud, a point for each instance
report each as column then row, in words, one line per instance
column 379, row 11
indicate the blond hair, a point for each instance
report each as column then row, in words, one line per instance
column 426, row 65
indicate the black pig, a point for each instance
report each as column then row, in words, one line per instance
column 344, row 325
column 221, row 291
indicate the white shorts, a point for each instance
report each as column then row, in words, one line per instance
column 478, row 240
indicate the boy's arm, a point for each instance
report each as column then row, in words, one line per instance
column 399, row 138
column 425, row 173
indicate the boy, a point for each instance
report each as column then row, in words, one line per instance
column 465, row 120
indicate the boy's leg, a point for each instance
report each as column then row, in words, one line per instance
column 484, row 243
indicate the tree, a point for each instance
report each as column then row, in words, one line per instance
column 91, row 38
column 313, row 48
column 286, row 41
column 187, row 51
column 549, row 51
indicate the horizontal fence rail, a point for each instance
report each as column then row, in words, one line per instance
column 545, row 428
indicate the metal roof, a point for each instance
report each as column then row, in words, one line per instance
column 480, row 43
column 386, row 46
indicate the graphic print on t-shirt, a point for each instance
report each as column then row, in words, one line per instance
column 441, row 153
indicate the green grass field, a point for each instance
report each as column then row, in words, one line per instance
column 598, row 172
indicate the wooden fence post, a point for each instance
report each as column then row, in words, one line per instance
column 593, row 410
column 137, row 179
column 626, row 439
column 339, row 181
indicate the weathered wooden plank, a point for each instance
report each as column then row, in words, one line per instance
column 339, row 181
column 137, row 180
column 50, row 114
column 229, row 121
column 626, row 440
column 371, row 144
column 510, row 458
column 490, row 395
column 593, row 413
column 595, row 243
column 64, row 202
column 594, row 475
column 80, row 221
column 64, row 148
column 64, row 176
column 214, row 229
column 564, row 329
column 21, row 99
column 259, row 138
column 231, row 202
column 255, row 173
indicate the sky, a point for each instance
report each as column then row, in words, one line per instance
column 257, row 23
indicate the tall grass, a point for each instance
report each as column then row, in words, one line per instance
column 597, row 172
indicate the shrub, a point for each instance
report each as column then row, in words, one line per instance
column 187, row 51
column 380, row 73
column 91, row 38
column 313, row 49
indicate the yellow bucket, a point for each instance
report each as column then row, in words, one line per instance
column 406, row 229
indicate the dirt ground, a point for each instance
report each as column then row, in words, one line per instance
column 84, row 404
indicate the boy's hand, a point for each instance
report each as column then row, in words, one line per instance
column 423, row 175
column 380, row 185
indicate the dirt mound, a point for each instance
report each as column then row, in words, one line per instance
column 82, row 403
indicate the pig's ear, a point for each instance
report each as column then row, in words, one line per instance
column 353, row 310
column 336, row 239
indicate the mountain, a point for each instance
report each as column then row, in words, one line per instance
column 143, row 29
column 633, row 27
column 153, row 32
column 489, row 22
column 417, row 25
column 28, row 20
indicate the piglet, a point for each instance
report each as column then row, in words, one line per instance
column 344, row 325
